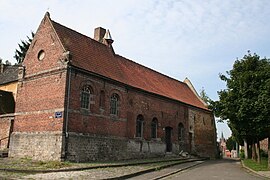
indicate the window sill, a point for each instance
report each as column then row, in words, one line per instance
column 85, row 111
column 139, row 138
column 155, row 139
column 114, row 117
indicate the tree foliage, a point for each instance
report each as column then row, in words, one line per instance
column 245, row 103
column 231, row 143
column 206, row 99
column 204, row 96
column 246, row 100
column 23, row 47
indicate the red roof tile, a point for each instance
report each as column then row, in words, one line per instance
column 96, row 57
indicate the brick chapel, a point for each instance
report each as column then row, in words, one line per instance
column 77, row 100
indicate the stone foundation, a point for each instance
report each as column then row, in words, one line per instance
column 36, row 145
column 85, row 148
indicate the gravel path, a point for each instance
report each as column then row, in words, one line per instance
column 97, row 173
column 101, row 173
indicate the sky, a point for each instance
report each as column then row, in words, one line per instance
column 198, row 39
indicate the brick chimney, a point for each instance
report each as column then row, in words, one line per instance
column 99, row 34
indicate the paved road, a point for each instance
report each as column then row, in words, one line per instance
column 161, row 173
column 225, row 169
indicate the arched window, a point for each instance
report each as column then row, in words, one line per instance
column 180, row 132
column 86, row 96
column 114, row 104
column 139, row 126
column 102, row 99
column 154, row 126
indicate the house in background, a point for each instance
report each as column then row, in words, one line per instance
column 79, row 101
column 264, row 145
column 9, row 76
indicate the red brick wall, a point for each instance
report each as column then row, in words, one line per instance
column 42, row 91
column 132, row 103
column 168, row 113
column 97, row 120
column 204, row 133
column 38, row 123
column 45, row 39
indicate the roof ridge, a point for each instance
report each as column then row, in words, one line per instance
column 155, row 71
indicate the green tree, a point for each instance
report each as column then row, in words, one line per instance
column 204, row 96
column 245, row 103
column 231, row 143
column 23, row 47
column 206, row 99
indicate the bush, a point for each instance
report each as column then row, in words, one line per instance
column 263, row 153
column 242, row 154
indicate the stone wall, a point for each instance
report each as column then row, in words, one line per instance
column 6, row 122
column 85, row 148
column 38, row 146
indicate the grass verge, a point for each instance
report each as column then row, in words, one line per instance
column 255, row 166
column 28, row 164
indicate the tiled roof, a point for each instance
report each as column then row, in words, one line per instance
column 96, row 57
column 10, row 74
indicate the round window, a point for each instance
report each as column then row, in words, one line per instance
column 41, row 55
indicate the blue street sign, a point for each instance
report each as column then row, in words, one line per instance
column 58, row 114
